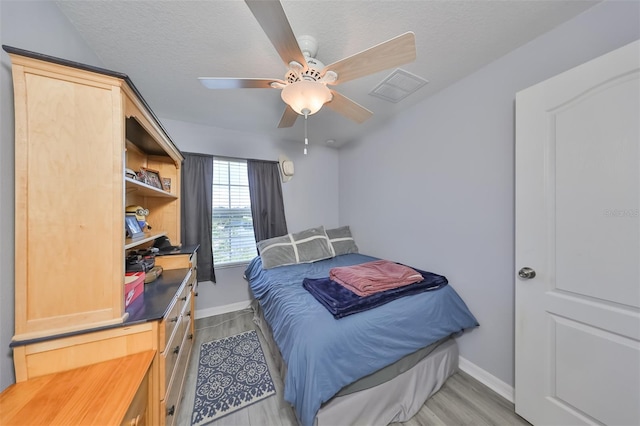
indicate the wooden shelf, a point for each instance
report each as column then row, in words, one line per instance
column 146, row 190
column 148, row 236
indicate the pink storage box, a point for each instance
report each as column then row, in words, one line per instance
column 133, row 286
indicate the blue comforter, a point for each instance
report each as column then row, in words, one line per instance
column 324, row 354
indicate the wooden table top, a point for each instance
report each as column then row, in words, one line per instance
column 98, row 394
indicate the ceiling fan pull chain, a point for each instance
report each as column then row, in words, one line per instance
column 306, row 139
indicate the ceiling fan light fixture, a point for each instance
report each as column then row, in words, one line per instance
column 306, row 95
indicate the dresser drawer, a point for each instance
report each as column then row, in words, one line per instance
column 170, row 356
column 174, row 392
column 168, row 324
column 193, row 286
column 192, row 283
column 174, row 261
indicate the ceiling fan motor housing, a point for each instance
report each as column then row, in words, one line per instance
column 311, row 74
column 309, row 47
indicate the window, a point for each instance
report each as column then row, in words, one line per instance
column 232, row 231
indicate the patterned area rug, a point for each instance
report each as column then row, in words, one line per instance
column 232, row 373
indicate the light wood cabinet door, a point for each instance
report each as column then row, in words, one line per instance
column 69, row 192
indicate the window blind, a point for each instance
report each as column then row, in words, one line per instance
column 233, row 238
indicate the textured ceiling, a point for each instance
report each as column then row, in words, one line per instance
column 164, row 46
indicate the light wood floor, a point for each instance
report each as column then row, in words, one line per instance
column 461, row 401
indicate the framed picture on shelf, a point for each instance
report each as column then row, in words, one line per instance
column 151, row 177
column 142, row 176
column 166, row 184
column 132, row 227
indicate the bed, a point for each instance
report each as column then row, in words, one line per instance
column 372, row 367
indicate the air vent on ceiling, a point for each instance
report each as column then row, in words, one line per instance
column 398, row 85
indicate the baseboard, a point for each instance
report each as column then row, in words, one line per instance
column 225, row 309
column 487, row 379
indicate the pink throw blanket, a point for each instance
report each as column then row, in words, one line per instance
column 372, row 277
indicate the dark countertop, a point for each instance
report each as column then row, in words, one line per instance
column 152, row 305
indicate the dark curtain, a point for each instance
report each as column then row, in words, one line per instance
column 267, row 207
column 196, row 210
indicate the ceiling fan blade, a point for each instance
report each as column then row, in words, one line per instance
column 271, row 17
column 238, row 83
column 289, row 117
column 348, row 108
column 391, row 53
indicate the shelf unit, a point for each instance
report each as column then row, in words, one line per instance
column 77, row 128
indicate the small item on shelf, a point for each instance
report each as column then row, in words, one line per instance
column 130, row 174
column 132, row 226
column 153, row 274
column 151, row 177
column 133, row 286
column 139, row 263
column 141, row 215
column 164, row 245
column 166, row 184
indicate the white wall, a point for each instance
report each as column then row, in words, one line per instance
column 310, row 198
column 434, row 188
column 38, row 26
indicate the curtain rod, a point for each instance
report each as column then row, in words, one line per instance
column 224, row 157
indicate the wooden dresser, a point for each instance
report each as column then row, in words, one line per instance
column 77, row 128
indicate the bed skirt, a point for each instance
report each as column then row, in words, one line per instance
column 395, row 400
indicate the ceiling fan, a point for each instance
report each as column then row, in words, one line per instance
column 304, row 87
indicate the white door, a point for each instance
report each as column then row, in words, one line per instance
column 577, row 325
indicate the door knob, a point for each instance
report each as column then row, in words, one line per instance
column 526, row 273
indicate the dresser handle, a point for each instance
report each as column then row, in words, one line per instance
column 171, row 410
column 195, row 294
column 190, row 336
column 174, row 319
column 189, row 313
column 176, row 349
column 183, row 298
